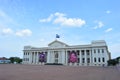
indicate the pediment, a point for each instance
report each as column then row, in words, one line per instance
column 57, row 43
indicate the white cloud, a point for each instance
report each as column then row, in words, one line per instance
column 25, row 32
column 47, row 19
column 7, row 31
column 59, row 14
column 108, row 12
column 69, row 21
column 99, row 24
column 61, row 19
column 109, row 29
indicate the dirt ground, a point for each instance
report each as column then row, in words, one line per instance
column 52, row 72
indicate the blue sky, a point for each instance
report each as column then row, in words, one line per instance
column 36, row 23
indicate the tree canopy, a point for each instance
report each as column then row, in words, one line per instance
column 15, row 59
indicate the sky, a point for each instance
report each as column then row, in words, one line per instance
column 78, row 22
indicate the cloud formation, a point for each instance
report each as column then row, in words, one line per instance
column 7, row 31
column 21, row 33
column 24, row 32
column 99, row 24
column 5, row 20
column 47, row 19
column 61, row 19
column 108, row 30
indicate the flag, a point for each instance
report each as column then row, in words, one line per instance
column 57, row 36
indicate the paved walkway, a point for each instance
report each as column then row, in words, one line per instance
column 51, row 72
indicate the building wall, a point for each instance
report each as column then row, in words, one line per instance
column 95, row 54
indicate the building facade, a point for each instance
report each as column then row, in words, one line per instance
column 4, row 60
column 94, row 54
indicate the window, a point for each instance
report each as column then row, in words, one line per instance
column 88, row 54
column 28, row 59
column 88, row 60
column 83, row 60
column 94, row 50
column 98, row 50
column 94, row 59
column 103, row 59
column 87, row 51
column 102, row 50
column 56, row 55
column 98, row 59
column 82, row 51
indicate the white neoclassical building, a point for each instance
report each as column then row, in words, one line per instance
column 57, row 52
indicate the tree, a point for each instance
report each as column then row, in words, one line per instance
column 11, row 59
column 113, row 62
column 15, row 59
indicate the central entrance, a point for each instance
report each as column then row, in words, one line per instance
column 56, row 57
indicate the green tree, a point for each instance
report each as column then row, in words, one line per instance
column 113, row 62
column 15, row 59
column 11, row 59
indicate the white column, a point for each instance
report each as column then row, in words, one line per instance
column 80, row 56
column 34, row 58
column 63, row 57
column 48, row 57
column 30, row 57
column 66, row 58
column 90, row 57
column 37, row 58
column 85, row 57
column 27, row 57
column 52, row 57
column 59, row 57
column 75, row 64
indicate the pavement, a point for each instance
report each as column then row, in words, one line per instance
column 53, row 72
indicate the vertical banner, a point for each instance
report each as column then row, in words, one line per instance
column 72, row 57
column 42, row 57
